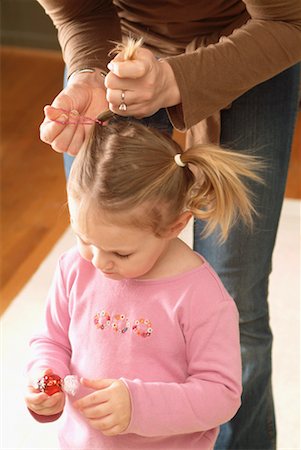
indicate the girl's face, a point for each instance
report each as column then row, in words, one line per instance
column 117, row 251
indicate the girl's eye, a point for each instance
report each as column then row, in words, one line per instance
column 121, row 256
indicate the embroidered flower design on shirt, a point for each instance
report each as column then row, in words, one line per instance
column 102, row 320
column 143, row 327
column 120, row 323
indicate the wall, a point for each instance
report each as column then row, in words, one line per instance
column 25, row 24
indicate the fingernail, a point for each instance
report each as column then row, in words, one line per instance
column 110, row 66
column 74, row 112
column 63, row 118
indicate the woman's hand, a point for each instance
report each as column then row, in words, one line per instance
column 108, row 408
column 148, row 84
column 43, row 404
column 62, row 127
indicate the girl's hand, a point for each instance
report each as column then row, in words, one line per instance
column 148, row 83
column 61, row 128
column 43, row 404
column 108, row 408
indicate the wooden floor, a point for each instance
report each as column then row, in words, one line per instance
column 33, row 199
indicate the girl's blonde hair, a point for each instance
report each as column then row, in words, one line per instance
column 126, row 165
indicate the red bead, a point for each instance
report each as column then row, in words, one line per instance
column 50, row 384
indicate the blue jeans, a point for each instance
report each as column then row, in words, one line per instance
column 262, row 120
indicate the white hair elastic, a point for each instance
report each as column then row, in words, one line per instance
column 178, row 160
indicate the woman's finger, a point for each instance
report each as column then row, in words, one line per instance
column 114, row 82
column 63, row 140
column 52, row 113
column 136, row 68
column 117, row 96
column 66, row 136
column 78, row 139
column 138, row 110
column 50, row 129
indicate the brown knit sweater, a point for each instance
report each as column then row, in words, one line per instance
column 217, row 49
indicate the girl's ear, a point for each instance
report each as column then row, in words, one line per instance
column 178, row 225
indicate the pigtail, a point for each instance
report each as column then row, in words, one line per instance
column 104, row 116
column 220, row 195
column 127, row 49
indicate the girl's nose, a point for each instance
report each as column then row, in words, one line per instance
column 101, row 261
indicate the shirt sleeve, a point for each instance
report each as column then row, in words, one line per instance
column 87, row 30
column 50, row 348
column 45, row 419
column 211, row 393
column 210, row 78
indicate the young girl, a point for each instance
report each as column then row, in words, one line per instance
column 142, row 320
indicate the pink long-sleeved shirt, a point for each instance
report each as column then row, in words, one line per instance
column 173, row 341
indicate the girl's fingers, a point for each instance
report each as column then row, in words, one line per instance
column 101, row 383
column 98, row 397
column 99, row 411
column 92, row 400
column 103, row 424
column 43, row 403
column 113, row 431
column 35, row 397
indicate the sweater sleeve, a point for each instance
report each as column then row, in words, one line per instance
column 212, row 77
column 50, row 348
column 86, row 30
column 211, row 393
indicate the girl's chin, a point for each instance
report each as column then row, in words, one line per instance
column 113, row 276
column 117, row 276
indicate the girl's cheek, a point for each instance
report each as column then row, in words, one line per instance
column 85, row 252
